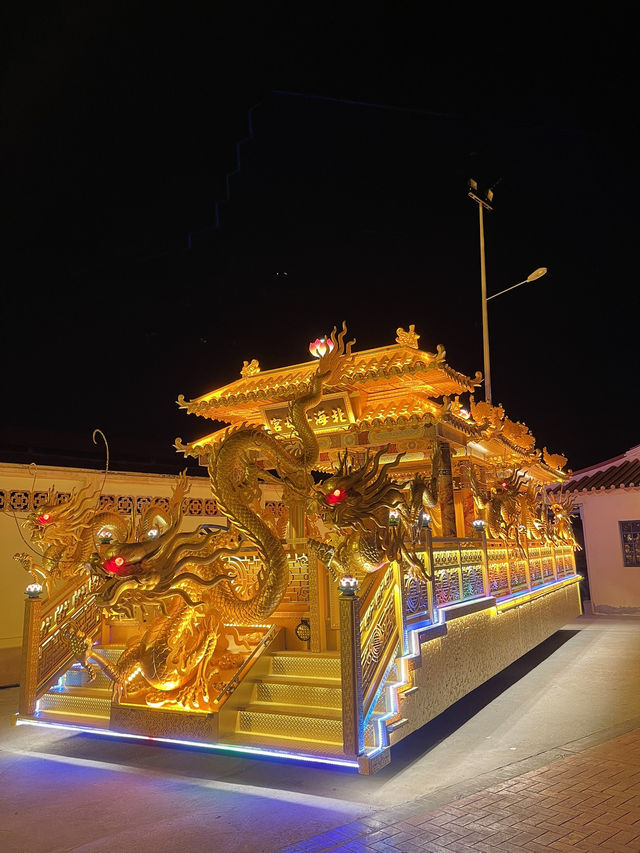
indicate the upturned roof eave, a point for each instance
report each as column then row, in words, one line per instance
column 247, row 389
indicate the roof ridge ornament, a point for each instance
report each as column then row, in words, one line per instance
column 407, row 339
column 554, row 460
column 250, row 368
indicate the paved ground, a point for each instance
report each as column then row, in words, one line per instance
column 546, row 756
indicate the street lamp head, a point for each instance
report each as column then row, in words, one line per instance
column 537, row 274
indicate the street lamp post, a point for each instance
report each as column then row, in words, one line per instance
column 485, row 203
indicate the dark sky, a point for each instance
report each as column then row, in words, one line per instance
column 146, row 244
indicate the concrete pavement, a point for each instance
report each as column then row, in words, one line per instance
column 499, row 746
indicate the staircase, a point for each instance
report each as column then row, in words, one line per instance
column 293, row 703
column 75, row 699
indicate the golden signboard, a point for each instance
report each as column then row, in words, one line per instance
column 332, row 412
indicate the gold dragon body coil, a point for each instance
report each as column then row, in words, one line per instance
column 229, row 471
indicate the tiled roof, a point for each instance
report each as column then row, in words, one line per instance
column 618, row 473
column 398, row 366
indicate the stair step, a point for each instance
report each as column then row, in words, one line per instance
column 300, row 680
column 290, row 725
column 392, row 727
column 287, row 744
column 312, row 712
column 304, row 664
column 299, row 693
column 85, row 702
column 88, row 690
column 111, row 653
column 78, row 676
column 74, row 719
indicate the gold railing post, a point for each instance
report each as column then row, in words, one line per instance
column 485, row 562
column 400, row 605
column 431, row 569
column 351, row 672
column 527, row 564
column 30, row 650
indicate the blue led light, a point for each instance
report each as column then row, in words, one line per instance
column 219, row 747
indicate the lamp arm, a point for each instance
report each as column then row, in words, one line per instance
column 493, row 295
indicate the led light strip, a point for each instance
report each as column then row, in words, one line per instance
column 394, row 689
column 219, row 747
column 529, row 595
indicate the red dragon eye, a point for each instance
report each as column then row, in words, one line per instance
column 115, row 566
column 336, row 497
column 45, row 518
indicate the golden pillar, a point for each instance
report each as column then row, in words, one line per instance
column 296, row 506
column 30, row 650
column 445, row 491
column 317, row 604
column 351, row 672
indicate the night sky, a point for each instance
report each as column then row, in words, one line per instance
column 185, row 188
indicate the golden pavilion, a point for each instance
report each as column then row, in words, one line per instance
column 384, row 544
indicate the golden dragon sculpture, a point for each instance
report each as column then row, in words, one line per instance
column 66, row 534
column 377, row 520
column 499, row 503
column 232, row 473
column 517, row 509
column 563, row 510
column 184, row 576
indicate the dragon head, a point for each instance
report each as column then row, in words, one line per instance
column 54, row 522
column 357, row 493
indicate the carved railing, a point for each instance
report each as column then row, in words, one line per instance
column 458, row 570
column 513, row 569
column 375, row 622
column 266, row 641
column 248, row 562
column 45, row 650
column 380, row 630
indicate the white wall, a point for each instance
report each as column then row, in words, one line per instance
column 612, row 585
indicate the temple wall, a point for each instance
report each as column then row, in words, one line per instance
column 476, row 647
column 16, row 497
column 613, row 586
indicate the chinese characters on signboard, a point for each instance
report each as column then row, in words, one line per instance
column 330, row 413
